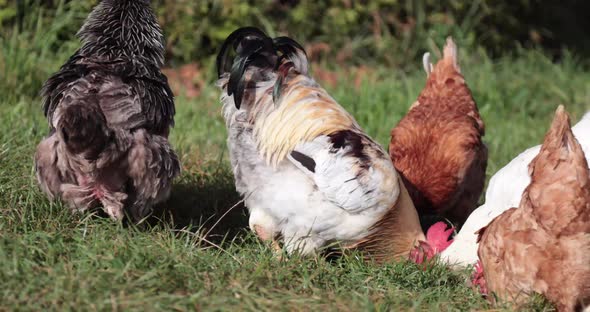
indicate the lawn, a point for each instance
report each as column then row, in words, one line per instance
column 196, row 252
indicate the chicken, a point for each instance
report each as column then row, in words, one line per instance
column 504, row 191
column 544, row 245
column 110, row 110
column 437, row 147
column 307, row 171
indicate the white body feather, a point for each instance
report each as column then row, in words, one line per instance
column 504, row 192
column 336, row 202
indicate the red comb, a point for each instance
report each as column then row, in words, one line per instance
column 438, row 236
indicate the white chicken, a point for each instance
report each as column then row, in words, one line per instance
column 504, row 191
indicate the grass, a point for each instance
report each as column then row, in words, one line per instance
column 193, row 258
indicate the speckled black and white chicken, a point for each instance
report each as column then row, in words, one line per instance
column 307, row 171
column 110, row 110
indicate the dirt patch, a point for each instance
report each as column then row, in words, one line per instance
column 187, row 80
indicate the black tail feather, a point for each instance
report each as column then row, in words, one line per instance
column 287, row 45
column 233, row 40
column 248, row 52
column 292, row 50
column 236, row 82
column 254, row 47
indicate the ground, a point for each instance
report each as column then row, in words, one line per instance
column 195, row 256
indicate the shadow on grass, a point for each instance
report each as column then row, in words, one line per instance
column 205, row 202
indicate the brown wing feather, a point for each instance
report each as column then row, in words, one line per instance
column 442, row 160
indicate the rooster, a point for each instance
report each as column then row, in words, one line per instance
column 504, row 191
column 437, row 147
column 307, row 171
column 544, row 245
column 110, row 110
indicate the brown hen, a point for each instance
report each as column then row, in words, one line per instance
column 544, row 245
column 437, row 147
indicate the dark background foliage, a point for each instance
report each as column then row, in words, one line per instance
column 36, row 36
column 384, row 32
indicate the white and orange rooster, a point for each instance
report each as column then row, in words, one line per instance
column 544, row 245
column 307, row 171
